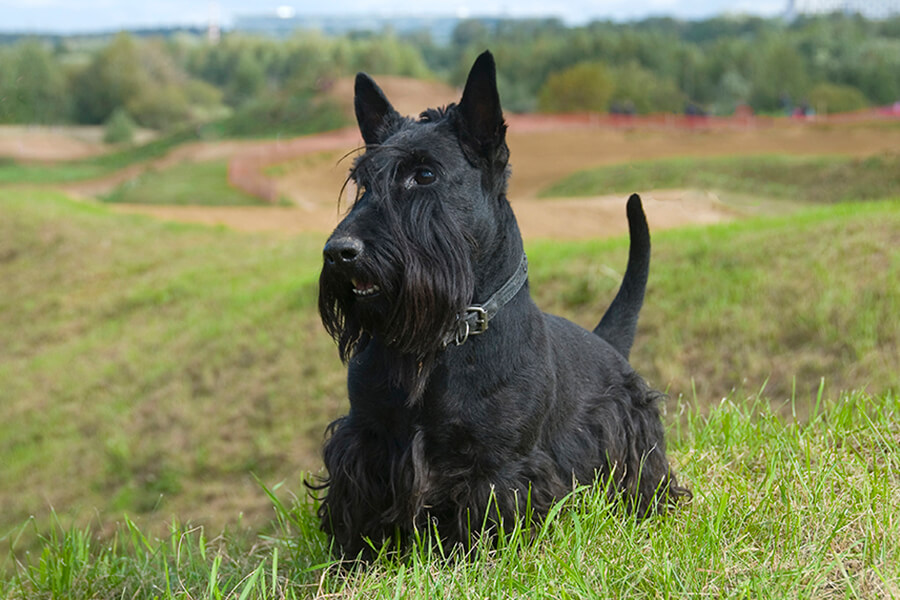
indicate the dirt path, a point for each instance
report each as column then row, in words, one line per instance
column 543, row 151
column 310, row 171
column 579, row 218
column 49, row 143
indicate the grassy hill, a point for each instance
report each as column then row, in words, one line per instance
column 190, row 183
column 811, row 179
column 135, row 356
column 149, row 368
column 780, row 510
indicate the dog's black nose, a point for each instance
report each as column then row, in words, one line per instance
column 343, row 250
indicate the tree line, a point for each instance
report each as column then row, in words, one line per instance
column 832, row 63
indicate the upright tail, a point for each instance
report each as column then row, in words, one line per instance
column 619, row 323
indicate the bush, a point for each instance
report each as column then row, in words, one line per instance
column 283, row 114
column 640, row 89
column 587, row 86
column 120, row 128
column 835, row 98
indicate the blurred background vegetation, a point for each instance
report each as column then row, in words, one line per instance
column 256, row 85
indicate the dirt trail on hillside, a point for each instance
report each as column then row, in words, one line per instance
column 310, row 171
column 51, row 143
column 578, row 218
column 543, row 150
column 44, row 144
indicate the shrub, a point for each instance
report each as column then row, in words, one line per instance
column 283, row 114
column 834, row 98
column 120, row 128
column 587, row 86
column 645, row 92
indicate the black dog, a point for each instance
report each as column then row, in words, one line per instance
column 466, row 401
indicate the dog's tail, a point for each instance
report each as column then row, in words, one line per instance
column 619, row 323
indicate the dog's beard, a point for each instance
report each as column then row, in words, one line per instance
column 424, row 279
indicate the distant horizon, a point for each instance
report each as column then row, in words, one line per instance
column 61, row 17
column 86, row 17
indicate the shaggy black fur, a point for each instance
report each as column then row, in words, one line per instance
column 454, row 436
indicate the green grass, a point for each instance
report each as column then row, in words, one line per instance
column 160, row 364
column 787, row 300
column 200, row 183
column 149, row 368
column 805, row 179
column 781, row 509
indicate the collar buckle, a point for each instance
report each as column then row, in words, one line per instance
column 481, row 318
column 474, row 320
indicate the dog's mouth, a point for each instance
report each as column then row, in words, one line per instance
column 364, row 289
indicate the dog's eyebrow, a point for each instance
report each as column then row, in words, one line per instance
column 419, row 157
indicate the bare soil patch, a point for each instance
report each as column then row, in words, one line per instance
column 604, row 216
column 579, row 218
column 54, row 143
column 34, row 143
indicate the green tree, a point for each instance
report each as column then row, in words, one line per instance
column 386, row 54
column 142, row 78
column 114, row 77
column 32, row 85
column 829, row 98
column 584, row 87
column 246, row 80
column 471, row 32
column 733, row 91
column 641, row 89
column 780, row 74
column 874, row 68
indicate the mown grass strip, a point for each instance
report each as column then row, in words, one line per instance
column 822, row 179
column 193, row 183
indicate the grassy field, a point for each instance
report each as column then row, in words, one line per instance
column 156, row 355
column 194, row 183
column 780, row 510
column 149, row 368
column 780, row 301
column 801, row 178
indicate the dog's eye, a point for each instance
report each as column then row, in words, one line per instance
column 424, row 176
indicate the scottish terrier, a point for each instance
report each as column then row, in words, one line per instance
column 467, row 403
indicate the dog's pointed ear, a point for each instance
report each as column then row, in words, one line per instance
column 374, row 112
column 480, row 109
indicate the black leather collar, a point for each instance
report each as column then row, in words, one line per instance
column 474, row 320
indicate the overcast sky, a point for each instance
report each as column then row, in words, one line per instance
column 100, row 15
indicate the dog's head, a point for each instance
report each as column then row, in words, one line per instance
column 403, row 263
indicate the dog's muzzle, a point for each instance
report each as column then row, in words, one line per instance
column 343, row 254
